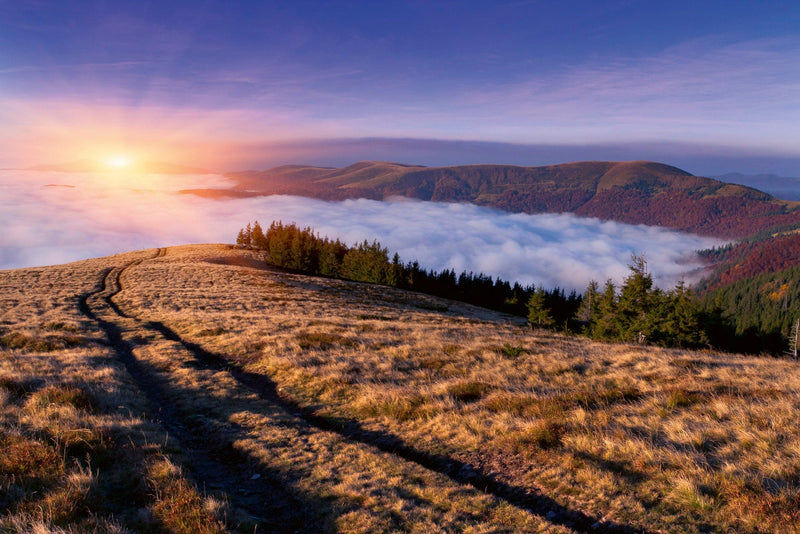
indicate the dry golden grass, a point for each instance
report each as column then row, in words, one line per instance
column 351, row 407
column 73, row 444
column 150, row 438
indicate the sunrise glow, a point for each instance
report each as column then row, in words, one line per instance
column 118, row 161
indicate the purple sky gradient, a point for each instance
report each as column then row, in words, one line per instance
column 708, row 86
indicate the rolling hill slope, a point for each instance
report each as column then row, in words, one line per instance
column 636, row 192
column 194, row 388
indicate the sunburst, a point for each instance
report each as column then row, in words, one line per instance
column 118, row 161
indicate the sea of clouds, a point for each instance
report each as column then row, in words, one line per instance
column 50, row 218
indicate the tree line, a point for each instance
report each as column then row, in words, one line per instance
column 302, row 250
column 637, row 311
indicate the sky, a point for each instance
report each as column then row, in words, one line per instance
column 56, row 217
column 711, row 87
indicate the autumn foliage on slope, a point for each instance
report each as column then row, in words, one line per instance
column 636, row 192
column 751, row 258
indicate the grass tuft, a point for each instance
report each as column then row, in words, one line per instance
column 23, row 342
column 543, row 434
column 63, row 394
column 323, row 341
column 511, row 351
column 373, row 317
column 468, row 391
column 681, row 398
column 208, row 332
column 179, row 507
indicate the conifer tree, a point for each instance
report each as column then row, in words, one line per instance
column 538, row 313
column 257, row 237
column 635, row 301
column 588, row 309
column 395, row 271
column 604, row 325
column 682, row 319
column 247, row 236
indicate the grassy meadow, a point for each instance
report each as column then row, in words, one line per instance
column 194, row 389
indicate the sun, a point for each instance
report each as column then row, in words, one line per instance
column 118, row 161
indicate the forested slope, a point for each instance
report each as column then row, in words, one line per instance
column 637, row 192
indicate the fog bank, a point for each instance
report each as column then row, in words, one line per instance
column 52, row 218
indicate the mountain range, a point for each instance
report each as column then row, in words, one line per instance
column 754, row 281
column 766, row 229
column 635, row 192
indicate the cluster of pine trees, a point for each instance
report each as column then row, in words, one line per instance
column 640, row 312
column 302, row 250
column 637, row 311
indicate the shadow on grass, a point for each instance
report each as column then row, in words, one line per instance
column 456, row 470
column 268, row 499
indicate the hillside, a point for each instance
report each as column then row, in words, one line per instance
column 783, row 187
column 636, row 192
column 756, row 284
column 194, row 389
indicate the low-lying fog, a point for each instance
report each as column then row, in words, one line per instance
column 50, row 218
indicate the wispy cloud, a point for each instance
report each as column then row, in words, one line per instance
column 104, row 215
column 685, row 92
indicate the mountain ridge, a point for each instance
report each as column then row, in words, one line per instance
column 634, row 192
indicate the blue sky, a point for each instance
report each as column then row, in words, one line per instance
column 711, row 86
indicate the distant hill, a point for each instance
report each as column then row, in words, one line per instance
column 783, row 187
column 636, row 192
column 87, row 165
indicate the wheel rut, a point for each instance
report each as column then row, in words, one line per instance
column 267, row 504
column 214, row 472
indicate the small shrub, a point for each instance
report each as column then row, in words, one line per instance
column 398, row 407
column 15, row 340
column 29, row 458
column 683, row 363
column 547, row 434
column 544, row 434
column 434, row 363
column 511, row 351
column 603, row 395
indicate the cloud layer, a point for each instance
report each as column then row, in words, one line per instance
column 58, row 217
